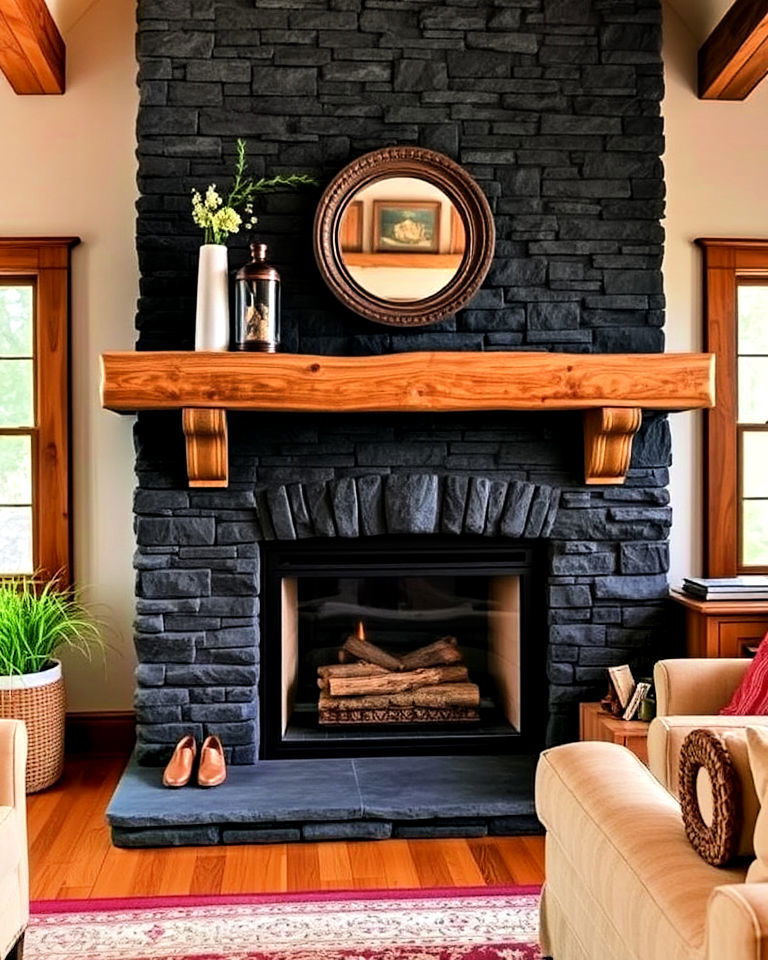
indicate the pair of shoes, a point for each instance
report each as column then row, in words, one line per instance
column 211, row 771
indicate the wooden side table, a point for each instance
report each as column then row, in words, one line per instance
column 595, row 724
column 723, row 628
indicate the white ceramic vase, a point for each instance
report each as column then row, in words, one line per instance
column 212, row 314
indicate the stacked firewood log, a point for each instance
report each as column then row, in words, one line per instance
column 371, row 686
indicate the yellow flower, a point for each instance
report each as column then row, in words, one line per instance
column 212, row 199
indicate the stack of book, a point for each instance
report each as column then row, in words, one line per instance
column 727, row 588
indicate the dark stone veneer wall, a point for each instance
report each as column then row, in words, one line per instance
column 554, row 107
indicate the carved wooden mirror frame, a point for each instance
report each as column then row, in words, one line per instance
column 469, row 201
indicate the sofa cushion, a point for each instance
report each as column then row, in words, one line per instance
column 757, row 746
column 750, row 698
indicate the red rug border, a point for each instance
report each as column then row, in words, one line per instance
column 308, row 896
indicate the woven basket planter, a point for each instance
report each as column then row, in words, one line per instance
column 38, row 700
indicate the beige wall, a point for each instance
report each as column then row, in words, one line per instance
column 68, row 167
column 716, row 187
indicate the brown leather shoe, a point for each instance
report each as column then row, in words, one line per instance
column 179, row 769
column 213, row 767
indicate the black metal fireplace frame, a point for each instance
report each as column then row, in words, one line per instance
column 406, row 555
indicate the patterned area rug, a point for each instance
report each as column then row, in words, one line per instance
column 496, row 923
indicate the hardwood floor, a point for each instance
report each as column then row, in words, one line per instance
column 71, row 855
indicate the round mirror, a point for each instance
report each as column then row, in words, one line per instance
column 404, row 236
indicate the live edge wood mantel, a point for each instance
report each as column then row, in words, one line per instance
column 612, row 390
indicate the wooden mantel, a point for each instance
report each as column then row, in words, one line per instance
column 610, row 389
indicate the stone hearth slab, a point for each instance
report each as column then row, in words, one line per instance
column 417, row 788
column 283, row 800
column 267, row 792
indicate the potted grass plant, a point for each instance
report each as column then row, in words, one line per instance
column 38, row 619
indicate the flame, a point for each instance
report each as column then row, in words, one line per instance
column 360, row 630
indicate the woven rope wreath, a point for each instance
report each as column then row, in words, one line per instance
column 718, row 842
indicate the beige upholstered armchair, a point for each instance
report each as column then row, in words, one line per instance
column 14, row 875
column 622, row 880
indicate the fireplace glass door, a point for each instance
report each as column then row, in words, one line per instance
column 398, row 648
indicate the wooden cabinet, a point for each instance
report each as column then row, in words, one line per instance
column 595, row 724
column 723, row 628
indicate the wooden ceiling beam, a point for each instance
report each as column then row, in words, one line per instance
column 734, row 58
column 32, row 52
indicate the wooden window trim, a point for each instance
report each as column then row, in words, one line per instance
column 45, row 261
column 727, row 264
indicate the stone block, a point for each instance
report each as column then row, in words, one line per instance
column 477, row 505
column 162, row 532
column 553, row 316
column 174, row 583
column 231, row 733
column 455, row 490
column 280, row 513
column 231, row 637
column 411, row 503
column 284, row 81
column 230, row 606
column 584, row 564
column 150, row 674
column 319, row 509
column 159, row 501
column 345, row 508
column 301, row 520
column 639, row 558
column 578, row 634
column 167, row 733
column 497, row 495
column 515, row 517
column 649, row 587
column 233, row 584
column 522, row 826
column 209, row 675
column 420, row 75
column 160, row 696
column 203, row 836
column 219, row 712
column 261, row 835
column 238, row 532
column 347, row 830
column 570, row 596
column 166, row 648
column 437, row 829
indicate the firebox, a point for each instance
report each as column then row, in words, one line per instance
column 392, row 646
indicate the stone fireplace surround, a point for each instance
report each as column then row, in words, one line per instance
column 553, row 107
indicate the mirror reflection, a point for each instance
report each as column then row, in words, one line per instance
column 401, row 239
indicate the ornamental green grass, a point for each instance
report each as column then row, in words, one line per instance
column 219, row 217
column 37, row 619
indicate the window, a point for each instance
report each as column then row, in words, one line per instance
column 736, row 469
column 34, row 406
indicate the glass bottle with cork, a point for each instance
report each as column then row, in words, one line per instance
column 257, row 304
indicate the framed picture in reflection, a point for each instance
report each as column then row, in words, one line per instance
column 406, row 226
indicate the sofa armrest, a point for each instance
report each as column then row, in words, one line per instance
column 737, row 922
column 13, row 764
column 689, row 687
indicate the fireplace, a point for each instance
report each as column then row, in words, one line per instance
column 553, row 108
column 467, row 614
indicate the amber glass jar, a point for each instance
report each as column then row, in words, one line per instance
column 257, row 304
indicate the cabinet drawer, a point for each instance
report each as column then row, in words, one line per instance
column 737, row 636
